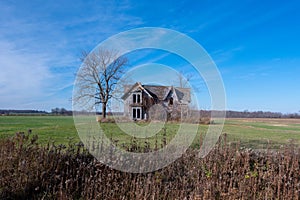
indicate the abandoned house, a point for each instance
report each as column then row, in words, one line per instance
column 138, row 100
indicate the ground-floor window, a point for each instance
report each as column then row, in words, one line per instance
column 136, row 113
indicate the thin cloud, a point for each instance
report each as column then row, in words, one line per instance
column 39, row 50
column 22, row 75
column 223, row 55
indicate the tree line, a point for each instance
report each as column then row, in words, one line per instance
column 254, row 114
column 54, row 111
column 203, row 113
column 20, row 112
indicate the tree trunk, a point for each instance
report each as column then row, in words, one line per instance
column 103, row 110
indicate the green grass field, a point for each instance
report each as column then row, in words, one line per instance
column 58, row 128
column 255, row 133
column 259, row 133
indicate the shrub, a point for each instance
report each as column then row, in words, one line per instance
column 31, row 171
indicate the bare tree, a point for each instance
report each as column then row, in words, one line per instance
column 98, row 77
column 183, row 81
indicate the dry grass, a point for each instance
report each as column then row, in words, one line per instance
column 31, row 171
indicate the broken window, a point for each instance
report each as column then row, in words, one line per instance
column 138, row 113
column 171, row 101
column 133, row 113
column 138, row 98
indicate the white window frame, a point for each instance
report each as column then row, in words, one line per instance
column 137, row 96
column 136, row 113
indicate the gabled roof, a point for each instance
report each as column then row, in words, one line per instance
column 160, row 92
column 183, row 94
column 129, row 89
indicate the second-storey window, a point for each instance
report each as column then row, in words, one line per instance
column 136, row 98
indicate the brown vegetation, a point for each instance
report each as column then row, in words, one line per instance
column 31, row 171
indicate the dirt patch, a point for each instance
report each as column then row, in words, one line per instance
column 279, row 125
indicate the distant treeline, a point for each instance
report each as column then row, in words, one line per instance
column 248, row 114
column 55, row 111
column 22, row 112
column 203, row 113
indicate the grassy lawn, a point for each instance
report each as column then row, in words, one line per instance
column 255, row 133
column 57, row 128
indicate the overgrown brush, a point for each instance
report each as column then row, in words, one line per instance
column 31, row 171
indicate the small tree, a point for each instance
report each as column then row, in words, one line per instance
column 98, row 76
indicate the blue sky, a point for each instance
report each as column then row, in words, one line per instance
column 255, row 45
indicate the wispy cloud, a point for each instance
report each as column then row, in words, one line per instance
column 40, row 47
column 22, row 75
column 222, row 55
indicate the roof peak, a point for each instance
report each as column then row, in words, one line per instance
column 152, row 85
